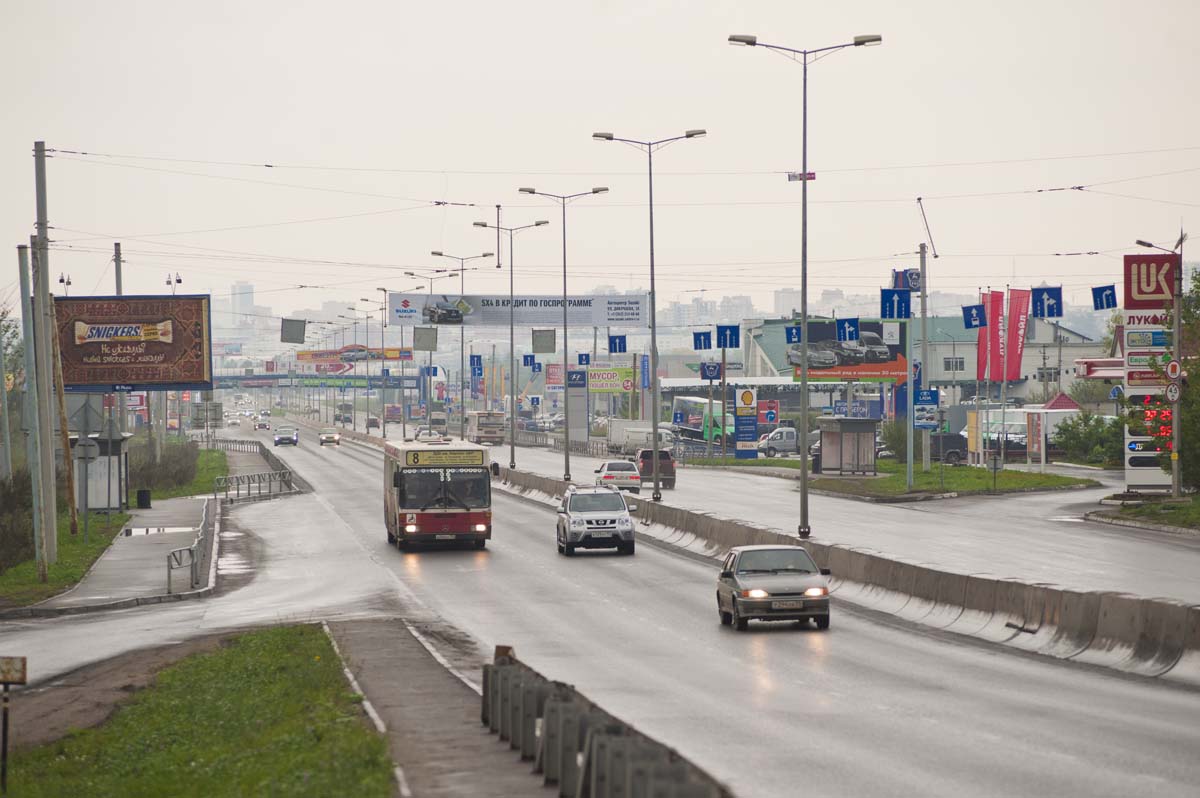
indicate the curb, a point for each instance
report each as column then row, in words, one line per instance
column 1104, row 518
column 921, row 497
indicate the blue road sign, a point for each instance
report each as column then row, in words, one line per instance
column 906, row 278
column 576, row 378
column 527, row 360
column 537, row 367
column 710, row 371
column 895, row 303
column 916, row 375
column 342, row 389
column 324, row 384
column 793, row 334
column 974, row 316
column 1116, row 392
column 476, row 361
column 1104, row 297
column 477, row 371
column 535, row 400
column 645, row 371
column 729, row 336
column 1047, row 303
column 702, row 340
column 616, row 344
column 585, row 359
column 770, row 416
column 678, row 417
column 847, row 329
column 386, row 372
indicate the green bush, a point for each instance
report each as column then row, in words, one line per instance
column 1089, row 438
column 16, row 521
column 895, row 439
column 175, row 468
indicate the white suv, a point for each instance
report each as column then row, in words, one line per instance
column 594, row 518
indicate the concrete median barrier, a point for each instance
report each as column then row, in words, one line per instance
column 1186, row 669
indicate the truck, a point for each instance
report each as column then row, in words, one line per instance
column 694, row 422
column 627, row 437
column 393, row 414
column 437, row 421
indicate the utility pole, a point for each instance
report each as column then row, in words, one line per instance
column 6, row 440
column 925, row 369
column 42, row 358
column 121, row 408
column 724, row 407
column 64, row 431
column 31, row 417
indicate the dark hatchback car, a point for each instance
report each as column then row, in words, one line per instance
column 771, row 583
column 666, row 467
column 443, row 313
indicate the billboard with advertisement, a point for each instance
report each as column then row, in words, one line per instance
column 352, row 353
column 745, row 423
column 610, row 380
column 123, row 343
column 877, row 355
column 492, row 310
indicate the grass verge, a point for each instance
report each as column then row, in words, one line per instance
column 19, row 585
column 948, row 479
column 212, row 463
column 268, row 714
column 771, row 462
column 1182, row 515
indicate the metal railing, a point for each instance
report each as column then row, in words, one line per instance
column 276, row 482
column 233, row 445
column 189, row 556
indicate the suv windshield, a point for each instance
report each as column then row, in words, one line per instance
column 597, row 503
column 771, row 560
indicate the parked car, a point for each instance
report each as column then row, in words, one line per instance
column 330, row 435
column 771, row 583
column 783, row 441
column 620, row 474
column 949, row 447
column 285, row 436
column 594, row 518
column 666, row 467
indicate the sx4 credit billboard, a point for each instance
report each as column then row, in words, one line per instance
column 126, row 343
column 492, row 310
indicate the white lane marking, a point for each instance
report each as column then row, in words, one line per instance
column 380, row 727
column 445, row 663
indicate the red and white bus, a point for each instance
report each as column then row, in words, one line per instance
column 438, row 491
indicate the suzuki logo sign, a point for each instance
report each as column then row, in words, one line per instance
column 1150, row 280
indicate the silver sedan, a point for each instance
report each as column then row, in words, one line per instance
column 771, row 583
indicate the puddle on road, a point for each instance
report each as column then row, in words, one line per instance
column 233, row 564
column 135, row 531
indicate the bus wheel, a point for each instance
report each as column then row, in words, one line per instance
column 391, row 539
column 401, row 544
column 479, row 544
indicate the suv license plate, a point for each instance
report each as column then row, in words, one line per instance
column 787, row 605
column 601, row 533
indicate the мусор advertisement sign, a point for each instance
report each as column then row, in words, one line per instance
column 600, row 310
column 125, row 343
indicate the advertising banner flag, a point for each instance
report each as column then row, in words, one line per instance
column 125, row 343
column 995, row 330
column 492, row 310
column 1018, row 319
column 981, row 345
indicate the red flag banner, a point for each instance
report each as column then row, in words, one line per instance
column 981, row 347
column 995, row 330
column 1018, row 318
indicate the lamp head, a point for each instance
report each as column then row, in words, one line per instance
column 600, row 190
column 436, row 253
column 743, row 40
column 602, row 136
column 540, row 222
column 487, row 255
column 1142, row 243
column 480, row 224
column 695, row 134
column 868, row 40
column 527, row 190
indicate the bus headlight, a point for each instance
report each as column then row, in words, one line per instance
column 410, row 527
column 481, row 527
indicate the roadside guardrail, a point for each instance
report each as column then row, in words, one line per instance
column 276, row 483
column 189, row 556
column 577, row 745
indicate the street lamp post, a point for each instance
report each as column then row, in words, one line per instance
column 512, row 342
column 563, row 199
column 462, row 337
column 438, row 275
column 649, row 147
column 354, row 393
column 1177, row 346
column 804, row 528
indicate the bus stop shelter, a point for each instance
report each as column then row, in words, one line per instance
column 847, row 445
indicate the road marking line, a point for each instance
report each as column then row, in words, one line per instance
column 437, row 655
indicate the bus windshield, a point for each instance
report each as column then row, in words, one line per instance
column 465, row 488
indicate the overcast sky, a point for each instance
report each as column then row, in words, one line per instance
column 373, row 111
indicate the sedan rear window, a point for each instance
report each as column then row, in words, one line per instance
column 621, row 466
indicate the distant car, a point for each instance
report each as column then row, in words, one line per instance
column 285, row 436
column 234, row 422
column 594, row 518
column 443, row 313
column 338, row 418
column 262, row 423
column 330, row 435
column 372, row 422
column 771, row 583
column 818, row 357
column 666, row 467
column 620, row 474
column 265, row 413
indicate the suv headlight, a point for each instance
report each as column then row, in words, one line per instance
column 625, row 523
column 578, row 523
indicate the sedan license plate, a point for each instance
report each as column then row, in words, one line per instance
column 787, row 605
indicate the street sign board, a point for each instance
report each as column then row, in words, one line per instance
column 710, row 371
column 1047, row 302
column 702, row 340
column 536, row 367
column 476, row 361
column 12, row 670
column 616, row 344
column 974, row 316
column 527, row 360
column 729, row 336
column 894, row 303
column 1104, row 297
column 1173, row 369
column 1150, row 280
column 1116, row 392
column 1173, row 392
column 535, row 400
column 793, row 333
column 847, row 329
column 585, row 358
column 678, row 417
column 925, row 406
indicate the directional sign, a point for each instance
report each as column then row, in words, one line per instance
column 701, row 340
column 895, row 303
column 974, row 316
column 729, row 336
column 477, row 371
column 710, row 371
column 1104, row 297
column 1172, row 393
column 794, row 336
column 1047, row 303
column 645, row 371
column 1116, row 392
column 678, row 417
column 536, row 367
column 535, row 400
column 616, row 344
column 527, row 360
column 476, row 361
column 585, row 359
column 847, row 329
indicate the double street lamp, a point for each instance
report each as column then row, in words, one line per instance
column 512, row 342
column 563, row 199
column 1177, row 346
column 649, row 147
column 462, row 339
column 804, row 57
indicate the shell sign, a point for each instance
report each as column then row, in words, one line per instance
column 746, row 403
